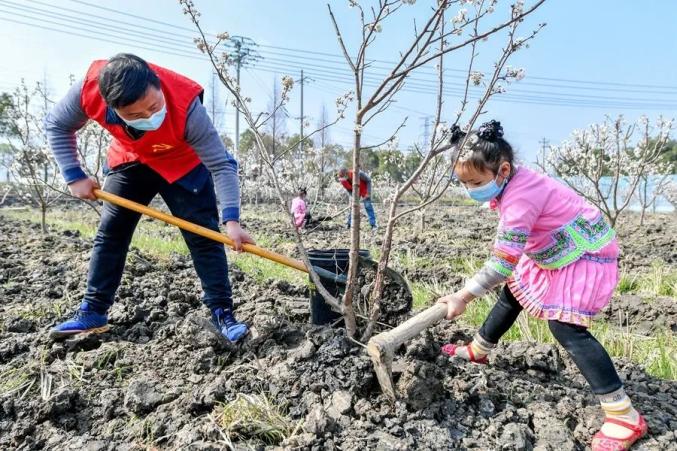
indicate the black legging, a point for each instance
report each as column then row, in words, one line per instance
column 587, row 353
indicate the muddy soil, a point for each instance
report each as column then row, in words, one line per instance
column 453, row 234
column 642, row 315
column 154, row 381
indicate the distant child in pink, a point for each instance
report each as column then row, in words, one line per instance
column 557, row 258
column 299, row 209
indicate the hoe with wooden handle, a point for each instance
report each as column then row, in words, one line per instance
column 381, row 347
column 208, row 233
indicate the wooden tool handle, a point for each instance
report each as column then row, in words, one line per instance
column 392, row 338
column 199, row 230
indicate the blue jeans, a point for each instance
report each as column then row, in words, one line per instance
column 139, row 183
column 369, row 207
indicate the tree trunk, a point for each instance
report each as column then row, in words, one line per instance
column 43, row 218
column 421, row 224
column 351, row 285
column 379, row 283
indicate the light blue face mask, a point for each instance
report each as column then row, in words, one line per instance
column 149, row 123
column 487, row 191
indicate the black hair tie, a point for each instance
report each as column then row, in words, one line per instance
column 456, row 134
column 490, row 131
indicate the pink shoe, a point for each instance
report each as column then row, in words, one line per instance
column 601, row 442
column 450, row 350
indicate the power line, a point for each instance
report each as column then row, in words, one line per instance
column 331, row 75
column 563, row 80
column 533, row 100
column 516, row 90
column 340, row 57
column 599, row 83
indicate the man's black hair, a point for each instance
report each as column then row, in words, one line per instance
column 125, row 79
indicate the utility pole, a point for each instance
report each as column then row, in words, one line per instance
column 241, row 52
column 426, row 131
column 302, row 118
column 544, row 144
column 213, row 99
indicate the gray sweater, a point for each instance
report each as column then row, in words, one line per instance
column 67, row 117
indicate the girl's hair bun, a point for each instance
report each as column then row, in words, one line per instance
column 456, row 134
column 491, row 131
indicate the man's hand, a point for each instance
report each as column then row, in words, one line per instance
column 84, row 189
column 455, row 302
column 238, row 235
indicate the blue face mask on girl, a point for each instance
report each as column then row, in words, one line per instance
column 149, row 123
column 488, row 191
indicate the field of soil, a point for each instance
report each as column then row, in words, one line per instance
column 161, row 379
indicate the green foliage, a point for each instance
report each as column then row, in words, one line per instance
column 5, row 106
column 668, row 151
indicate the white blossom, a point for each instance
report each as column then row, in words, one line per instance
column 377, row 28
column 460, row 17
column 517, row 8
column 287, row 82
column 476, row 78
column 515, row 73
column 499, row 89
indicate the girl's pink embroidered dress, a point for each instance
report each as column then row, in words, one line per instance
column 557, row 251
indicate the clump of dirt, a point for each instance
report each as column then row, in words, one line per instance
column 158, row 378
column 396, row 300
column 642, row 315
column 656, row 240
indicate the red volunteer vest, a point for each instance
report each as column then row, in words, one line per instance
column 348, row 184
column 165, row 149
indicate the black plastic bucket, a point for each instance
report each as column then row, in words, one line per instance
column 336, row 262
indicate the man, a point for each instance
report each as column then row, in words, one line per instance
column 345, row 176
column 163, row 142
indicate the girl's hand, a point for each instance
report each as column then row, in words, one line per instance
column 455, row 305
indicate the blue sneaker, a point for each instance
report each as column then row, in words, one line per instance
column 85, row 321
column 229, row 327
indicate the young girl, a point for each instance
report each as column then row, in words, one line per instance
column 299, row 209
column 558, row 259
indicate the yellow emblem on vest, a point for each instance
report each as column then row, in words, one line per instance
column 161, row 147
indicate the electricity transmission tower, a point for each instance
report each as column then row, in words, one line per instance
column 241, row 52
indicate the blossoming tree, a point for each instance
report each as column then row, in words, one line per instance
column 608, row 162
column 431, row 42
column 472, row 22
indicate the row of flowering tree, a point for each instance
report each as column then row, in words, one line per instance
column 615, row 163
column 27, row 158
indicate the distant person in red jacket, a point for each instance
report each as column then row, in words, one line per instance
column 163, row 143
column 345, row 177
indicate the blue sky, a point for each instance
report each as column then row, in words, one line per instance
column 622, row 52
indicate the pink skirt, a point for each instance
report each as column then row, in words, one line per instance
column 573, row 294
